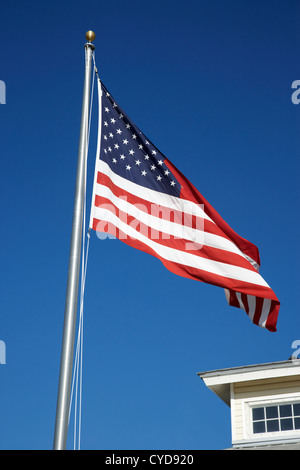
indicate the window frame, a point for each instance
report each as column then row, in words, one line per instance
column 267, row 435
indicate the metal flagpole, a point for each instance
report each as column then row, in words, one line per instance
column 66, row 364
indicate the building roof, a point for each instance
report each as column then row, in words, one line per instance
column 219, row 380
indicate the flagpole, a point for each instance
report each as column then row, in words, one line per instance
column 67, row 352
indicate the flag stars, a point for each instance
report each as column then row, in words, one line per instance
column 130, row 154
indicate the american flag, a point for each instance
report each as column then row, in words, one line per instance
column 140, row 198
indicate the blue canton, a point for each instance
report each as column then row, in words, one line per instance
column 129, row 153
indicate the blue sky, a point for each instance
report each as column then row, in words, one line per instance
column 210, row 84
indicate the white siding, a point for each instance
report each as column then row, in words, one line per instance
column 265, row 389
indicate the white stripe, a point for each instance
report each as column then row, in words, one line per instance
column 181, row 257
column 265, row 312
column 252, row 305
column 239, row 297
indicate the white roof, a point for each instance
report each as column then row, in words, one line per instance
column 219, row 380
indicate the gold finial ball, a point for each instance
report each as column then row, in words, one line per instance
column 90, row 36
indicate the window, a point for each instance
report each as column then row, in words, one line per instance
column 276, row 418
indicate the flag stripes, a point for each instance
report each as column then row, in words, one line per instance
column 261, row 311
column 172, row 222
column 129, row 223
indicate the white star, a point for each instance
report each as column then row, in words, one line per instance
column 113, row 120
column 111, row 135
column 160, row 162
column 167, row 172
column 172, row 183
column 159, row 178
column 153, row 167
column 125, row 141
column 134, row 136
column 105, row 151
column 147, row 157
column 119, row 131
column 128, row 126
column 105, row 123
column 106, row 110
column 154, row 152
column 114, row 160
column 131, row 152
column 146, row 142
column 115, row 105
column 121, row 116
column 141, row 147
column 107, row 94
column 137, row 162
column 109, row 149
column 144, row 172
column 128, row 167
column 122, row 156
column 116, row 146
column 105, row 137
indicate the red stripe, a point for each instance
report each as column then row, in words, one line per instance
column 233, row 300
column 258, row 309
column 245, row 303
column 273, row 316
